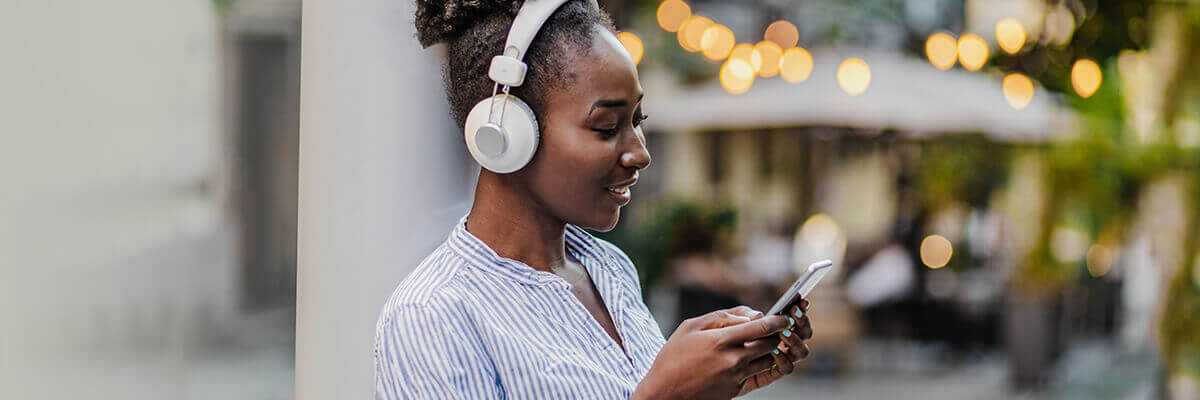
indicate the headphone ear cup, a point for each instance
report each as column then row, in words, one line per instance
column 519, row 132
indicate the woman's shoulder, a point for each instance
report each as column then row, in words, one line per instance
column 434, row 286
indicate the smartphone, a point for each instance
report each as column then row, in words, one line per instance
column 804, row 284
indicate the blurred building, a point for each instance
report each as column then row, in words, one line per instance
column 151, row 200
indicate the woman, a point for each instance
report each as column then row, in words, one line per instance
column 520, row 301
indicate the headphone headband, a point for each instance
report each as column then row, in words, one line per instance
column 508, row 68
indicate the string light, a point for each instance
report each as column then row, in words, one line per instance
column 1010, row 35
column 692, row 31
column 1018, row 90
column 942, row 50
column 796, row 65
column 633, row 44
column 936, row 251
column 820, row 231
column 771, row 56
column 783, row 33
column 1085, row 77
column 672, row 14
column 972, row 52
column 736, row 75
column 767, row 58
column 716, row 42
column 854, row 75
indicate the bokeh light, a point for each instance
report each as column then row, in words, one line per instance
column 1085, row 77
column 936, row 251
column 783, row 33
column 633, row 44
column 1018, row 90
column 854, row 76
column 1010, row 35
column 672, row 14
column 742, row 51
column 770, row 55
column 796, row 65
column 736, row 75
column 820, row 231
column 972, row 52
column 716, row 42
column 1069, row 244
column 745, row 52
column 756, row 59
column 942, row 50
column 1099, row 260
column 692, row 31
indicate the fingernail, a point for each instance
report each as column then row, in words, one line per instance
column 791, row 321
column 798, row 313
column 776, row 351
column 787, row 333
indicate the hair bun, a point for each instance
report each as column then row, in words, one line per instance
column 442, row 20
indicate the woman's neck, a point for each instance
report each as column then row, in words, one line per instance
column 515, row 226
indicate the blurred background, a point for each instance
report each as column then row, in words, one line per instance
column 1010, row 189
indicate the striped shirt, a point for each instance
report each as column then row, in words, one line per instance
column 469, row 324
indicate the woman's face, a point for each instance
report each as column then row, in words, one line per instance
column 592, row 144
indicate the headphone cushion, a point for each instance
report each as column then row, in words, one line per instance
column 520, row 130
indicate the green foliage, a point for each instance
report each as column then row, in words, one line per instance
column 223, row 6
column 964, row 167
column 1108, row 27
column 1181, row 326
column 672, row 228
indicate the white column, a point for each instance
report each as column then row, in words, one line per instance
column 383, row 176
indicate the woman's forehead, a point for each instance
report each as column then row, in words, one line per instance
column 607, row 71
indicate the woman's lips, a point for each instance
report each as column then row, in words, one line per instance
column 620, row 194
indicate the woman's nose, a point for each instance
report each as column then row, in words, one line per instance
column 636, row 155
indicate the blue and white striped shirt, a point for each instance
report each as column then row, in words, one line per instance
column 468, row 323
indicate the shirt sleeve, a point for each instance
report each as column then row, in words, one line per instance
column 424, row 354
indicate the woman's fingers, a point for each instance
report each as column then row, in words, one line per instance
column 747, row 312
column 713, row 320
column 796, row 311
column 802, row 328
column 757, row 366
column 722, row 318
column 795, row 348
column 783, row 363
column 760, row 347
column 759, row 328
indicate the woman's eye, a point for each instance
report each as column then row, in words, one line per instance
column 637, row 121
column 608, row 132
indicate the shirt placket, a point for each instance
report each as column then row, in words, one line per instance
column 615, row 303
column 617, row 362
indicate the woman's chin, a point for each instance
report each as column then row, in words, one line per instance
column 605, row 222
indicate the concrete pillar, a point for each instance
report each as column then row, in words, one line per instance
column 383, row 176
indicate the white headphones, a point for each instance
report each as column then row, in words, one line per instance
column 504, row 146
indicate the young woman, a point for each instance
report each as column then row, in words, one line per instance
column 520, row 301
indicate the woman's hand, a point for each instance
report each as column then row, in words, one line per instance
column 791, row 349
column 712, row 356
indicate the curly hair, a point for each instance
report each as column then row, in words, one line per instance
column 475, row 30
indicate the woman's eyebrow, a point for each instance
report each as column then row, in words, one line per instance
column 612, row 103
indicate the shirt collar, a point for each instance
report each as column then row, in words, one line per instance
column 579, row 243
